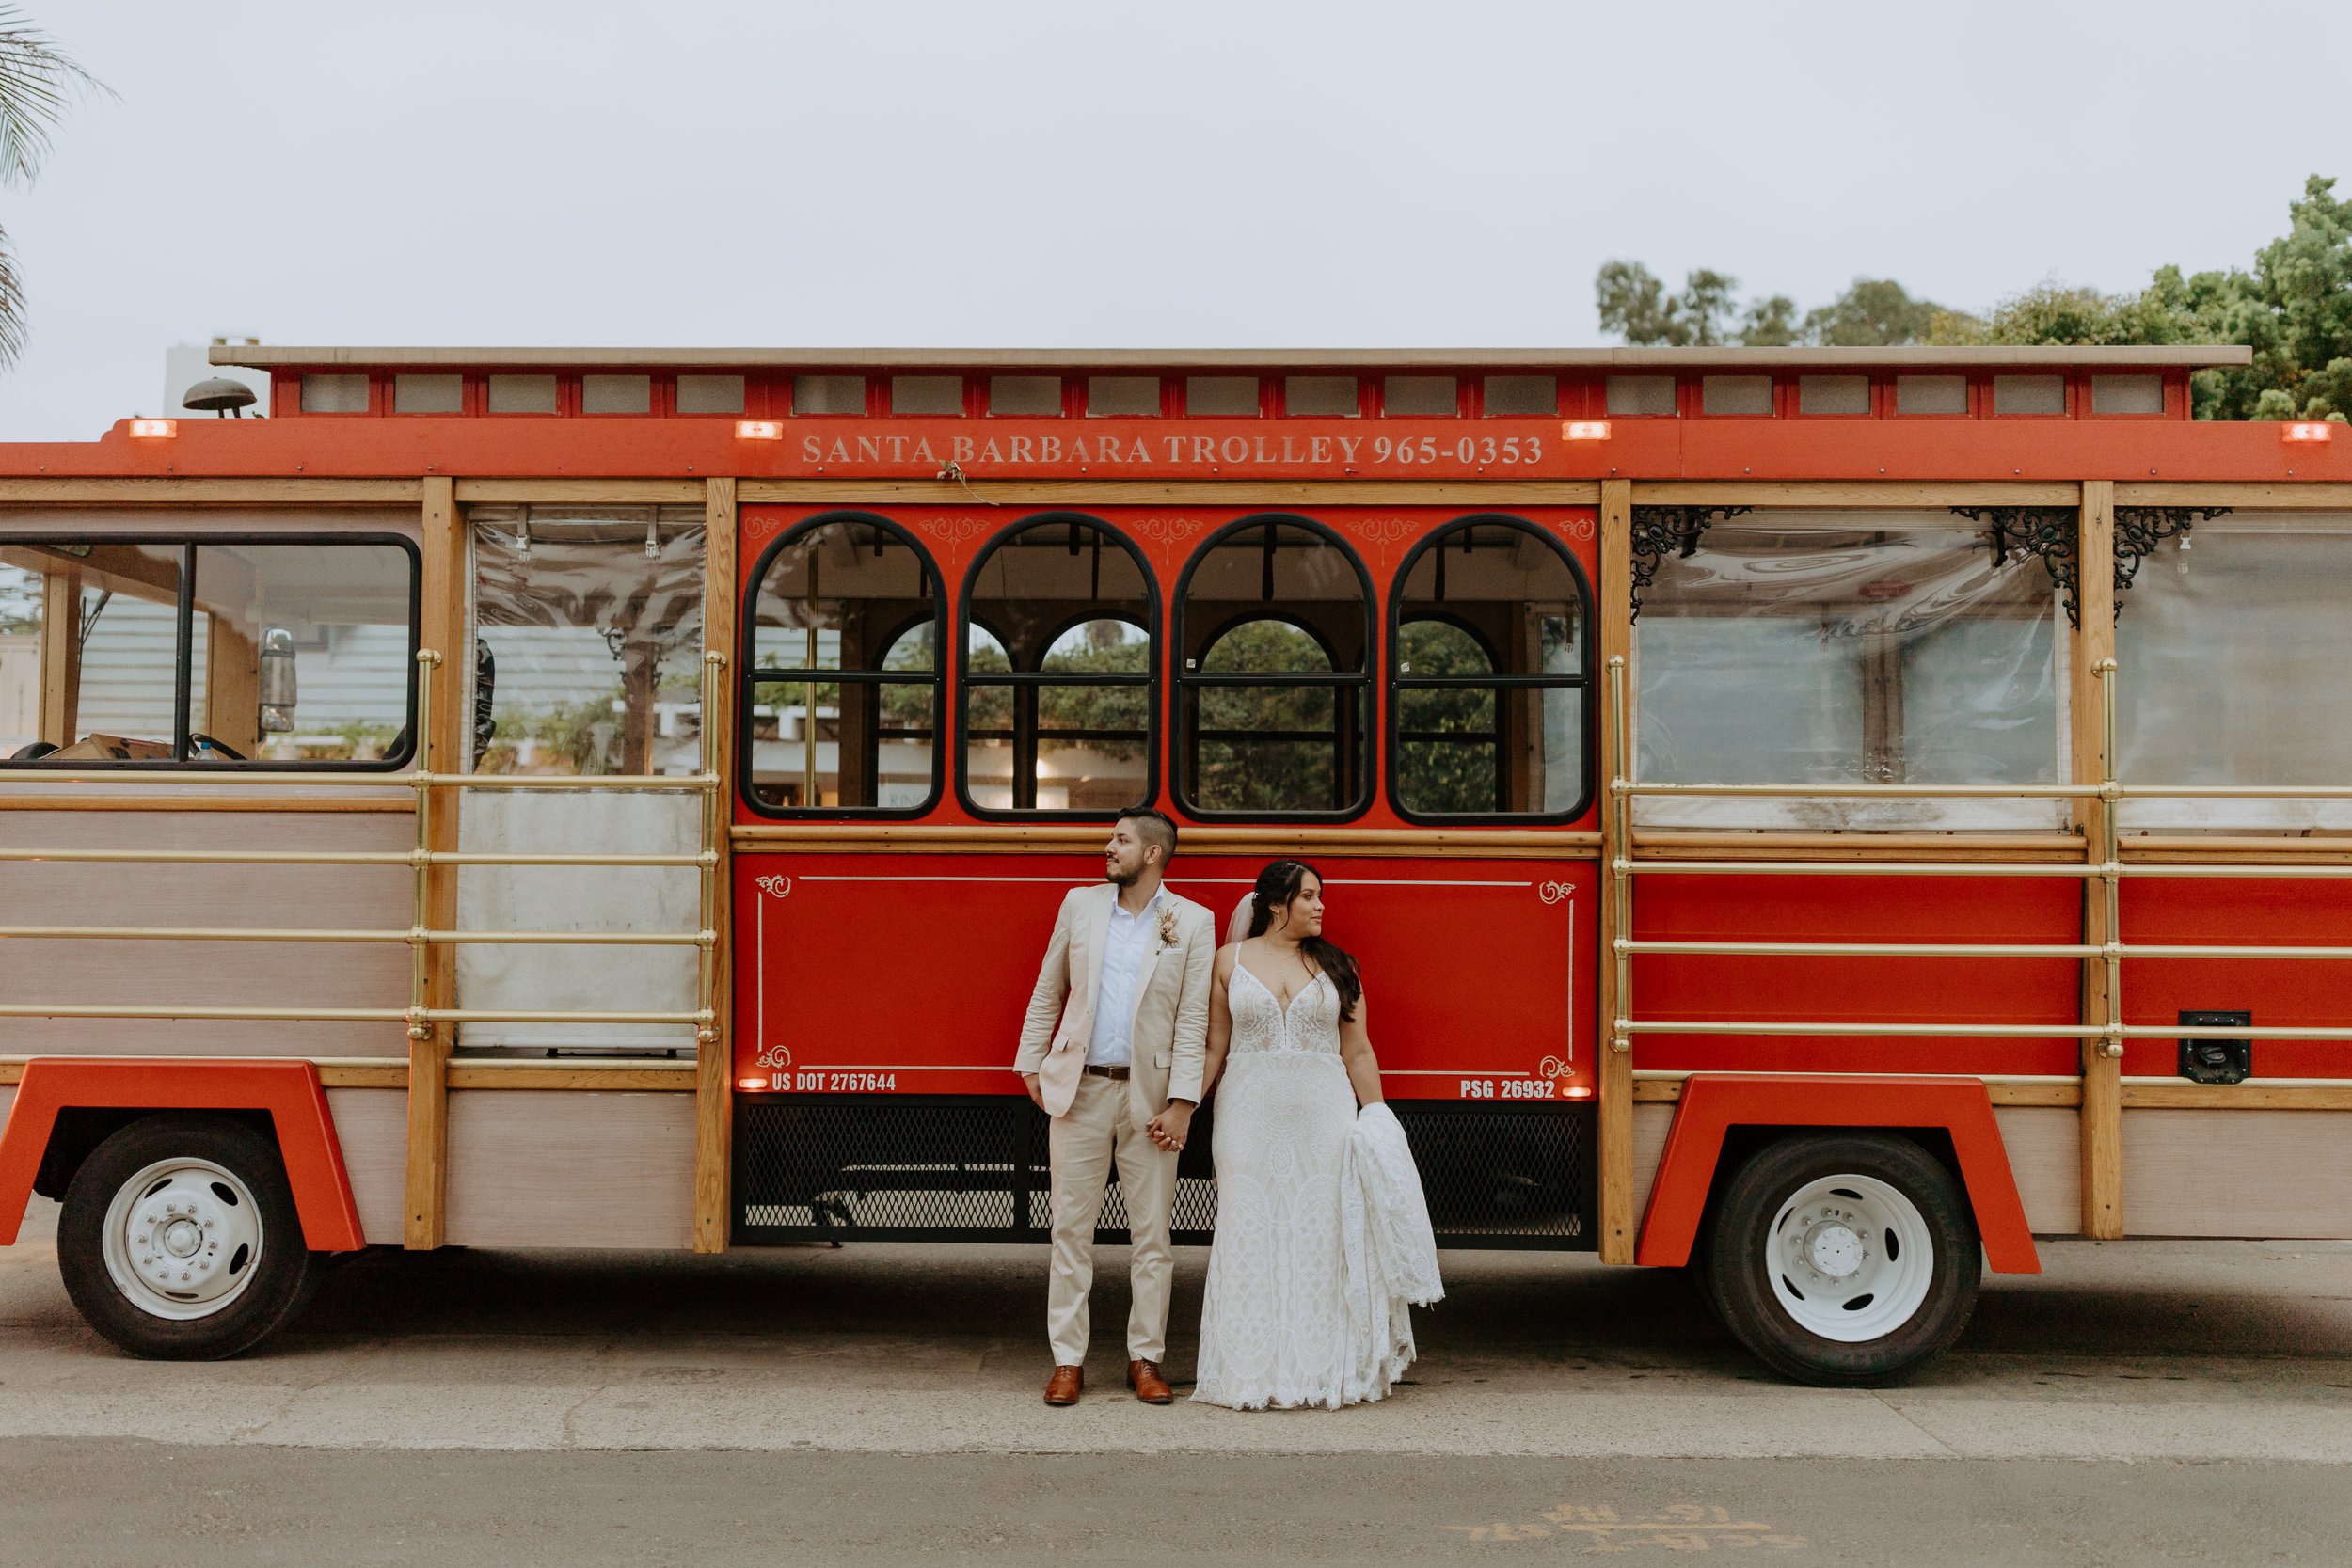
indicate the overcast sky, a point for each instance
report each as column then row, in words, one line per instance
column 1259, row 174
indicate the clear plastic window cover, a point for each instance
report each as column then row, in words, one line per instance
column 1819, row 648
column 2230, row 670
column 589, row 638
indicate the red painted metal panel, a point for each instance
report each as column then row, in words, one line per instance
column 910, row 973
column 2058, row 450
column 1714, row 1103
column 288, row 1090
column 1857, row 990
column 2290, row 992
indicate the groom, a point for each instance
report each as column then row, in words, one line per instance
column 1116, row 1032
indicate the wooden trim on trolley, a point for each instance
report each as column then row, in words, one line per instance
column 2293, row 496
column 2031, row 848
column 443, row 627
column 1481, row 495
column 2250, row 1096
column 209, row 492
column 821, row 838
column 397, row 804
column 714, row 1075
column 1619, row 1224
column 583, row 492
column 2267, row 849
column 1850, row 492
column 2093, row 643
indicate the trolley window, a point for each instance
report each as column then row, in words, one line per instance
column 1058, row 667
column 1819, row 648
column 270, row 652
column 1274, row 621
column 841, row 702
column 1489, row 671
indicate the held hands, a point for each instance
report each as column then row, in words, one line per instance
column 1171, row 1128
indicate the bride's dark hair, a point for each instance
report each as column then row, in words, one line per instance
column 1278, row 884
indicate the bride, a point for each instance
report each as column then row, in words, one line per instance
column 1323, row 1236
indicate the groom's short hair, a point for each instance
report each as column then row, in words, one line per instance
column 1153, row 828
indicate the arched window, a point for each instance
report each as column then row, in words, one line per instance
column 1274, row 618
column 1059, row 617
column 841, row 679
column 1490, row 661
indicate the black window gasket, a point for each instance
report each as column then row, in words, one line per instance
column 403, row 753
column 1036, row 679
column 750, row 679
column 1400, row 683
column 1359, row 684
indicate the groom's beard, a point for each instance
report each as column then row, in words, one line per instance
column 1122, row 878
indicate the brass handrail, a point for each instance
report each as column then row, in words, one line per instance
column 422, row 936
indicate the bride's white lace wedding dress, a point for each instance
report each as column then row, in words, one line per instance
column 1323, row 1239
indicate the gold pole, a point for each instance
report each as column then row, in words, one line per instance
column 1620, row 862
column 419, row 928
column 706, row 936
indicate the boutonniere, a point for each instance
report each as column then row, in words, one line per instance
column 1167, row 926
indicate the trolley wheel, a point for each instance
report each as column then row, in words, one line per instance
column 179, row 1238
column 1844, row 1258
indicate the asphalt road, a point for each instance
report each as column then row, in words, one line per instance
column 2142, row 1401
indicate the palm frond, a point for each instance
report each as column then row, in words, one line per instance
column 12, row 304
column 37, row 80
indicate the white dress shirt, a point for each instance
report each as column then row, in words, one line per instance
column 1113, row 1042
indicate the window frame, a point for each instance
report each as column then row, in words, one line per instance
column 1182, row 681
column 1154, row 629
column 183, row 655
column 1584, row 681
column 748, row 678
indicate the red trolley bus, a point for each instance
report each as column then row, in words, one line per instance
column 1821, row 818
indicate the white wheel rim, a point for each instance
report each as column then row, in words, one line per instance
column 1850, row 1257
column 183, row 1239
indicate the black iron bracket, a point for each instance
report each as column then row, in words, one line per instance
column 2048, row 531
column 1662, row 531
column 2140, row 529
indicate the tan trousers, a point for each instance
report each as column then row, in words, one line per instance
column 1100, row 1129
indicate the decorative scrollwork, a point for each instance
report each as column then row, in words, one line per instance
column 1661, row 530
column 1552, row 1066
column 1554, row 892
column 774, row 1058
column 2048, row 531
column 774, row 887
column 1169, row 530
column 953, row 531
column 2140, row 529
column 1379, row 531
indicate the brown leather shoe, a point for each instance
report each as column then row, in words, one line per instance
column 1062, row 1388
column 1150, row 1387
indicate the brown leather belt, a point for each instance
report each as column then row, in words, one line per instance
column 1101, row 1071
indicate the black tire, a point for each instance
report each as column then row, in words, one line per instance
column 1739, row 1258
column 274, row 1278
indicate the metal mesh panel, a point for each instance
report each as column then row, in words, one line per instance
column 938, row 1167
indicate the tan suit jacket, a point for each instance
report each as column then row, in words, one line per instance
column 1171, row 1029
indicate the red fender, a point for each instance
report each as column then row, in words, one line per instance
column 1712, row 1103
column 288, row 1090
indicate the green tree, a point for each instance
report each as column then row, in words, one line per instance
column 1873, row 312
column 37, row 79
column 2293, row 310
